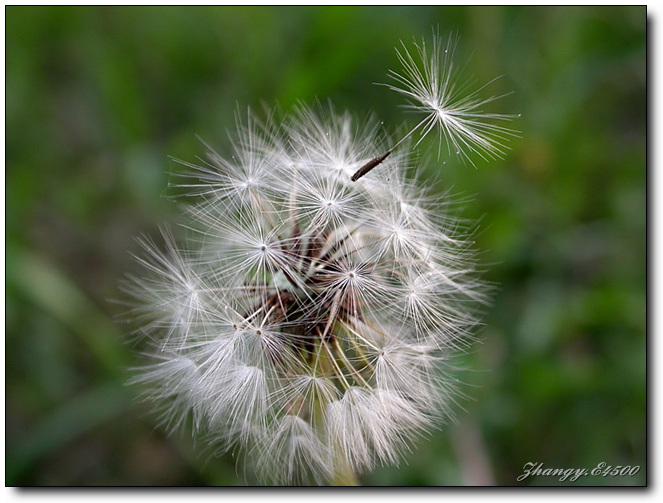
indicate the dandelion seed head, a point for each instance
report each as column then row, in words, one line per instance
column 305, row 319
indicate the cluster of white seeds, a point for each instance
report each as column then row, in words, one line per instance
column 307, row 318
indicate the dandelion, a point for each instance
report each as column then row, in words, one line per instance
column 307, row 319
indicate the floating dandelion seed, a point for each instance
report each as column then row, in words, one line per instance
column 308, row 319
column 432, row 82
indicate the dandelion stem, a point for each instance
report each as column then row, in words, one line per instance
column 344, row 475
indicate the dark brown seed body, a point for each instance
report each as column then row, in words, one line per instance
column 369, row 166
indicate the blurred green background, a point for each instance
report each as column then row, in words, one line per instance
column 99, row 98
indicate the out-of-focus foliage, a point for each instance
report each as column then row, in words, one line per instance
column 99, row 98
